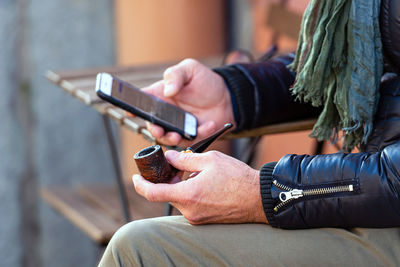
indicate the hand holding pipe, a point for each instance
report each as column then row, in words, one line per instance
column 153, row 165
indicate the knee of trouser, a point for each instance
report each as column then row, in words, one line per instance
column 134, row 236
column 127, row 234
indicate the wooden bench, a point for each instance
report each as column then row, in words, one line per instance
column 96, row 209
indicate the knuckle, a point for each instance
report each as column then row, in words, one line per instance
column 168, row 72
column 213, row 155
column 193, row 217
column 214, row 158
column 189, row 62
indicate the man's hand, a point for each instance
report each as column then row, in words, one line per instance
column 224, row 190
column 198, row 90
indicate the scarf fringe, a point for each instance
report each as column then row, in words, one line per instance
column 339, row 65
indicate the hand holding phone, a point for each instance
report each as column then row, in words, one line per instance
column 146, row 106
column 195, row 88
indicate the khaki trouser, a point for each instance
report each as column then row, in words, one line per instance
column 172, row 241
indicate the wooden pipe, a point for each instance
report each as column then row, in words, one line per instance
column 153, row 165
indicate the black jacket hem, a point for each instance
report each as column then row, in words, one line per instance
column 266, row 178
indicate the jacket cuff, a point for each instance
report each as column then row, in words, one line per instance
column 242, row 95
column 266, row 178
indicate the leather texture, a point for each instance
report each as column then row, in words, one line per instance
column 374, row 201
column 387, row 119
column 390, row 31
column 374, row 174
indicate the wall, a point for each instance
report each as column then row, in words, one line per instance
column 11, row 142
column 242, row 30
column 46, row 137
column 156, row 31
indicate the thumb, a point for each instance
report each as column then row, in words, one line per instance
column 156, row 192
column 175, row 78
column 191, row 162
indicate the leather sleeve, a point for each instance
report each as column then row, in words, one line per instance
column 387, row 118
column 260, row 93
column 336, row 190
column 390, row 31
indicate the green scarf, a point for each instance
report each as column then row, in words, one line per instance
column 339, row 66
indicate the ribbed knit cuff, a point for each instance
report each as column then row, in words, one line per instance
column 265, row 188
column 242, row 95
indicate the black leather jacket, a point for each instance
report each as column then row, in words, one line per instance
column 336, row 190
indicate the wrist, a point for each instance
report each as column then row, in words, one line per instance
column 258, row 210
column 241, row 94
column 225, row 104
column 229, row 108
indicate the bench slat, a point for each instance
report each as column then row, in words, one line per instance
column 90, row 219
column 111, row 205
column 96, row 209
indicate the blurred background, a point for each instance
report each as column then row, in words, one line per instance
column 48, row 138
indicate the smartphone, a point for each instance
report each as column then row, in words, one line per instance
column 146, row 106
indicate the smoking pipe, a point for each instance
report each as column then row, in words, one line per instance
column 153, row 165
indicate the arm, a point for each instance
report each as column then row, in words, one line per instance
column 260, row 93
column 371, row 183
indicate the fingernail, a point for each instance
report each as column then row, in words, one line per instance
column 169, row 89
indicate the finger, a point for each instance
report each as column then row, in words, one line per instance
column 206, row 129
column 156, row 131
column 156, row 89
column 156, row 192
column 176, row 77
column 171, row 139
column 174, row 139
column 192, row 162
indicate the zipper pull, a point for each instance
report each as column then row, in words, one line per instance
column 293, row 194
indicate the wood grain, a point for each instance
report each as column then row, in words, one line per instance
column 96, row 209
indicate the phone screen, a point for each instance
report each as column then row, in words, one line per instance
column 151, row 108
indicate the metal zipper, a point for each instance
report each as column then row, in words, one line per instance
column 292, row 194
